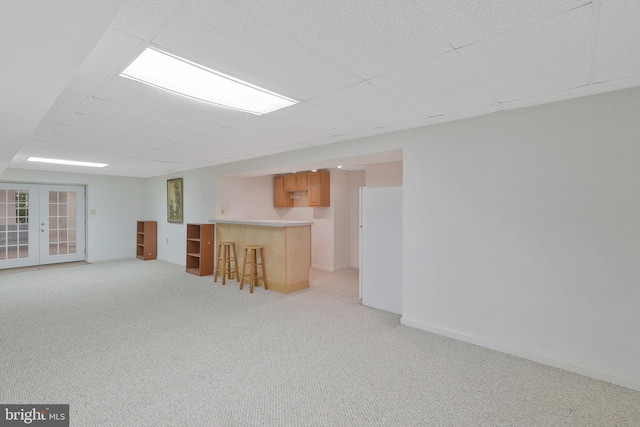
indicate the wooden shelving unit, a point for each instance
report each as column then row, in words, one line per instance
column 200, row 249
column 146, row 243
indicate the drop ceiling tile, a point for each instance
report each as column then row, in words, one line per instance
column 21, row 158
column 105, row 144
column 225, row 38
column 123, row 130
column 63, row 106
column 618, row 46
column 171, row 156
column 438, row 86
column 231, row 144
column 577, row 92
column 548, row 56
column 120, row 113
column 145, row 168
column 27, row 150
column 280, row 130
column 368, row 38
column 99, row 135
column 298, row 146
column 468, row 21
column 365, row 103
column 212, row 148
column 335, row 139
column 99, row 153
column 250, row 141
column 142, row 18
column 311, row 117
column 43, row 130
column 140, row 96
column 459, row 115
column 202, row 141
column 111, row 55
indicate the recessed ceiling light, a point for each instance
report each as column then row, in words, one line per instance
column 340, row 167
column 163, row 70
column 66, row 162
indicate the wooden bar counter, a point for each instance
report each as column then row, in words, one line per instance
column 287, row 249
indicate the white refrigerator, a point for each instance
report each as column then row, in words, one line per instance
column 381, row 248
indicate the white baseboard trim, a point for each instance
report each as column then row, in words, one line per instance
column 561, row 364
column 93, row 260
column 323, row 268
column 174, row 262
column 331, row 269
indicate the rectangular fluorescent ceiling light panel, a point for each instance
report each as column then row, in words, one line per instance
column 66, row 162
column 175, row 74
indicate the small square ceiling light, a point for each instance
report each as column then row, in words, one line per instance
column 163, row 70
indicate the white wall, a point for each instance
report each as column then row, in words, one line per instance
column 386, row 174
column 244, row 198
column 521, row 234
column 341, row 204
column 118, row 204
column 199, row 206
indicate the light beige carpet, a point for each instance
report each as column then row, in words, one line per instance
column 142, row 343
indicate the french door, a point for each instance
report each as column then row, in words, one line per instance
column 41, row 224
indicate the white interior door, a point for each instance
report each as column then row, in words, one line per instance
column 19, row 238
column 41, row 224
column 381, row 248
column 62, row 219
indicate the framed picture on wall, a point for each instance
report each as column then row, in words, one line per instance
column 174, row 200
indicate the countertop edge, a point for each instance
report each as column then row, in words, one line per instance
column 263, row 223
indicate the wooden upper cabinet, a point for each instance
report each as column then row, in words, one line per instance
column 280, row 198
column 289, row 182
column 296, row 181
column 316, row 183
column 319, row 194
column 302, row 181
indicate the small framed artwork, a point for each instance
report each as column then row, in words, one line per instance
column 174, row 200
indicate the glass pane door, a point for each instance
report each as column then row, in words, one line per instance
column 18, row 225
column 41, row 224
column 62, row 224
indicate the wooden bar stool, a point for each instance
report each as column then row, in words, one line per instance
column 251, row 258
column 227, row 257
